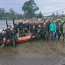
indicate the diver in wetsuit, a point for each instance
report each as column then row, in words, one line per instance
column 45, row 31
column 2, row 38
column 20, row 27
column 9, row 35
column 39, row 31
column 60, row 29
column 34, row 29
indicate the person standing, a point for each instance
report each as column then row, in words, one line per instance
column 60, row 30
column 52, row 30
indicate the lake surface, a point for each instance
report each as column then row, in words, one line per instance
column 3, row 24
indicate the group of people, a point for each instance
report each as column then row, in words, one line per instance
column 42, row 30
column 6, row 36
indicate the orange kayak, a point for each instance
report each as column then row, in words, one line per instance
column 23, row 39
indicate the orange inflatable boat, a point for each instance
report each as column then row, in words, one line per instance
column 23, row 39
column 26, row 38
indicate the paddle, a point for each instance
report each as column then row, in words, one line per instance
column 6, row 24
column 13, row 23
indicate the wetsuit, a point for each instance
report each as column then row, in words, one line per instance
column 60, row 30
column 8, row 33
column 20, row 28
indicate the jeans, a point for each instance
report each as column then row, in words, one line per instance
column 53, row 33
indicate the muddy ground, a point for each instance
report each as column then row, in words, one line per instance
column 36, row 52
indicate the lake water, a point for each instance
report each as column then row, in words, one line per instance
column 3, row 24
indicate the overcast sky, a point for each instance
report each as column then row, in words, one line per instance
column 45, row 6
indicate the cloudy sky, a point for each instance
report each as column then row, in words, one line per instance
column 45, row 6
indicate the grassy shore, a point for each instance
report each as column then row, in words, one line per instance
column 37, row 48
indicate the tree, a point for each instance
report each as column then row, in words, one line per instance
column 53, row 15
column 29, row 9
column 11, row 13
column 2, row 12
column 19, row 16
column 40, row 15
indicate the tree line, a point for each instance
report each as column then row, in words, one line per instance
column 11, row 14
column 30, row 9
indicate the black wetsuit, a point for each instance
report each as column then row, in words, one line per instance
column 1, row 39
column 60, row 30
column 31, row 28
column 8, row 33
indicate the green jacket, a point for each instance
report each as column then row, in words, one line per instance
column 53, row 27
